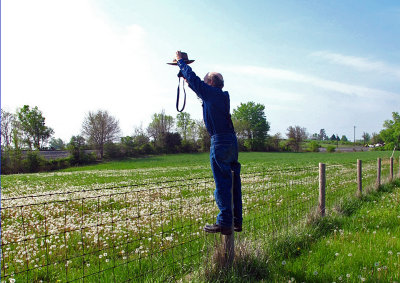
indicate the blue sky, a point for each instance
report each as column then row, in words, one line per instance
column 316, row 64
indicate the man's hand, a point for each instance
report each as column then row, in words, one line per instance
column 178, row 55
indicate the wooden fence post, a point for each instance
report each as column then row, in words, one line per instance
column 399, row 167
column 359, row 176
column 229, row 240
column 391, row 169
column 378, row 173
column 322, row 183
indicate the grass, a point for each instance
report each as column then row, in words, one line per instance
column 108, row 228
column 357, row 242
column 361, row 244
column 165, row 168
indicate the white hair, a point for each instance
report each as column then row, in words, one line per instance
column 215, row 79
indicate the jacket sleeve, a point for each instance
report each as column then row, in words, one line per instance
column 195, row 83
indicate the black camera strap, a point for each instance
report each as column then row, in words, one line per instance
column 178, row 94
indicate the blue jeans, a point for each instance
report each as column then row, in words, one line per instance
column 224, row 160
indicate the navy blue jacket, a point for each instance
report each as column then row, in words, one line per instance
column 216, row 102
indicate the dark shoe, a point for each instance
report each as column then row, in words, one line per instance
column 215, row 228
column 237, row 227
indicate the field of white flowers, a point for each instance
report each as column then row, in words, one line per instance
column 67, row 226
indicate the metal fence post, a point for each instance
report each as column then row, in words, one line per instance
column 322, row 183
column 391, row 169
column 359, row 176
column 229, row 240
column 378, row 173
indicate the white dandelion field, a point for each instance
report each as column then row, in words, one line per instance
column 146, row 224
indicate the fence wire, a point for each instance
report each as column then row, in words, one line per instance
column 153, row 231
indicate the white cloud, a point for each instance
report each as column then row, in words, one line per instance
column 286, row 75
column 359, row 63
column 293, row 98
column 67, row 58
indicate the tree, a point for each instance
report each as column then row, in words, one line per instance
column 7, row 124
column 391, row 133
column 184, row 125
column 251, row 124
column 100, row 128
column 296, row 135
column 376, row 139
column 344, row 138
column 160, row 125
column 273, row 142
column 11, row 156
column 171, row 142
column 204, row 139
column 139, row 137
column 366, row 137
column 322, row 135
column 142, row 141
column 333, row 138
column 57, row 144
column 33, row 126
column 76, row 149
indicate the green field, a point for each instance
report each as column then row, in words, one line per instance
column 142, row 219
column 166, row 168
column 361, row 244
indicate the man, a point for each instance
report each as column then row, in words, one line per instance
column 224, row 147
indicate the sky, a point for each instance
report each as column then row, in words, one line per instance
column 326, row 65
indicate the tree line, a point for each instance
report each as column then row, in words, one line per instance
column 24, row 133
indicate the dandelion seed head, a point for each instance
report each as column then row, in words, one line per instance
column 283, row 262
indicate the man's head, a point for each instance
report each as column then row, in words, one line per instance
column 214, row 79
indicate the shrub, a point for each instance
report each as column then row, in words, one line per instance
column 146, row 149
column 314, row 146
column 331, row 148
column 112, row 150
column 33, row 162
column 188, row 146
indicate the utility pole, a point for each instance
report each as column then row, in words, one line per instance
column 337, row 141
column 354, row 136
